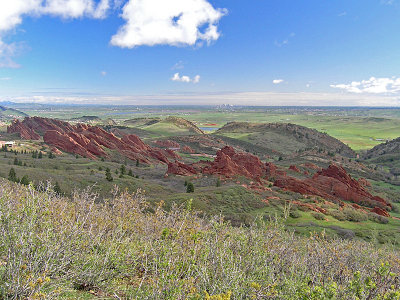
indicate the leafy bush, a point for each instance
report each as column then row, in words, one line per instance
column 318, row 216
column 354, row 215
column 337, row 214
column 294, row 214
column 377, row 218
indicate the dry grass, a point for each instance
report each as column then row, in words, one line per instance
column 52, row 247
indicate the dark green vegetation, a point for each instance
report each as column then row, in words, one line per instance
column 7, row 114
column 120, row 247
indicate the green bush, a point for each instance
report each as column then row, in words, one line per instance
column 354, row 215
column 318, row 216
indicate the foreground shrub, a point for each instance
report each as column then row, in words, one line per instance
column 51, row 247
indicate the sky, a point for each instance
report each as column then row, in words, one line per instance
column 243, row 52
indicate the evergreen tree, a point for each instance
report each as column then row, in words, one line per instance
column 25, row 180
column 51, row 155
column 130, row 173
column 190, row 188
column 15, row 161
column 57, row 189
column 137, row 163
column 12, row 176
column 40, row 154
column 122, row 170
column 34, row 154
column 185, row 183
column 218, row 184
column 108, row 175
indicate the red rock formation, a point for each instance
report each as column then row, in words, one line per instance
column 294, row 168
column 364, row 182
column 88, row 141
column 380, row 211
column 24, row 131
column 229, row 163
column 187, row 149
column 179, row 168
column 332, row 183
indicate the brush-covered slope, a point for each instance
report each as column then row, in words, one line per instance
column 170, row 126
column 79, row 248
column 10, row 113
column 284, row 138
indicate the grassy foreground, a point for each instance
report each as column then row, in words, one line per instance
column 52, row 247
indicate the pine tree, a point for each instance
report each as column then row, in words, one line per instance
column 57, row 189
column 190, row 188
column 122, row 170
column 218, row 184
column 12, row 176
column 137, row 163
column 25, row 180
column 130, row 173
column 108, row 175
column 40, row 154
column 51, row 155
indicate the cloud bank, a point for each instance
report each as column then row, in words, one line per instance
column 371, row 86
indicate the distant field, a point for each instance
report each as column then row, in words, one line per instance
column 360, row 128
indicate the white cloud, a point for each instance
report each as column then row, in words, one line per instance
column 277, row 81
column 173, row 22
column 103, row 73
column 13, row 11
column 184, row 78
column 371, row 86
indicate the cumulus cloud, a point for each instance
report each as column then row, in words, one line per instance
column 277, row 81
column 184, row 78
column 103, row 73
column 173, row 22
column 371, row 86
column 13, row 11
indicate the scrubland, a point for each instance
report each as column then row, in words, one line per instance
column 122, row 248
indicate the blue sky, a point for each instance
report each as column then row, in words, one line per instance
column 261, row 52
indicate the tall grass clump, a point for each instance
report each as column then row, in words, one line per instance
column 121, row 248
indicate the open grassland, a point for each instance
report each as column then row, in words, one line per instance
column 80, row 248
column 361, row 128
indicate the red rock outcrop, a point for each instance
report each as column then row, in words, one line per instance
column 88, row 141
column 334, row 184
column 187, row 149
column 24, row 131
column 364, row 182
column 294, row 168
column 229, row 163
column 380, row 211
column 178, row 168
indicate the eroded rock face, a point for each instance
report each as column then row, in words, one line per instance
column 88, row 141
column 187, row 149
column 24, row 131
column 179, row 168
column 335, row 184
column 380, row 211
column 229, row 163
column 294, row 168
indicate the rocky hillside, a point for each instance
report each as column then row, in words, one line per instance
column 388, row 148
column 87, row 141
column 285, row 138
column 10, row 113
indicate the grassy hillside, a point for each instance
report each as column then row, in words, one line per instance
column 78, row 248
